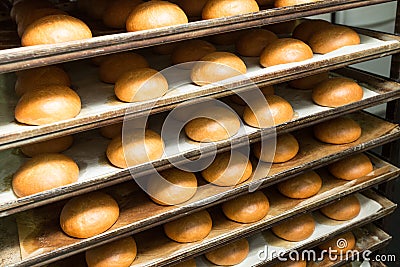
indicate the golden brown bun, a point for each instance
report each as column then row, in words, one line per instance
column 307, row 28
column 338, row 131
column 231, row 254
column 31, row 79
column 34, row 107
column 191, row 228
column 117, row 12
column 89, row 215
column 227, row 38
column 296, row 229
column 216, row 67
column 155, row 14
column 36, row 14
column 240, row 169
column 119, row 253
column 283, row 3
column 47, row 30
column 267, row 90
column 44, row 172
column 21, row 9
column 309, row 82
column 225, row 8
column 137, row 151
column 285, row 50
column 111, row 131
column 140, row 84
column 343, row 246
column 265, row 2
column 191, row 50
column 290, row 263
column 287, row 148
column 178, row 187
column 302, row 186
column 117, row 64
column 352, row 167
column 343, row 210
column 336, row 92
column 56, row 145
column 192, row 8
column 247, row 208
column 277, row 112
column 165, row 49
column 213, row 124
column 282, row 27
column 253, row 42
column 331, row 38
column 188, row 263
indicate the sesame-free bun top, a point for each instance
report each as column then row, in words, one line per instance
column 287, row 148
column 155, row 14
column 338, row 131
column 231, row 254
column 44, row 172
column 36, row 14
column 283, row 3
column 343, row 210
column 22, row 8
column 111, row 131
column 55, row 145
column 352, row 167
column 295, row 229
column 252, row 42
column 47, row 104
column 192, row 8
column 335, row 246
column 55, row 29
column 309, row 82
column 225, row 8
column 304, row 30
column 117, row 12
column 302, row 186
column 191, row 50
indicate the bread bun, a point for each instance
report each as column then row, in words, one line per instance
column 336, row 92
column 338, row 131
column 140, row 84
column 228, row 169
column 44, row 172
column 192, row 8
column 338, row 246
column 231, row 254
column 89, row 215
column 295, row 229
column 290, row 263
column 191, row 50
column 225, row 8
column 99, row 59
column 216, row 67
column 302, row 186
column 188, row 263
column 265, row 2
column 36, row 14
column 285, row 50
column 55, row 145
column 135, row 150
column 304, row 30
column 266, row 90
column 309, row 82
column 48, row 104
column 119, row 253
column 111, row 131
column 283, row 3
column 155, row 14
column 55, row 29
column 21, row 9
column 331, row 38
column 96, row 8
column 277, row 111
column 343, row 210
column 165, row 49
column 285, row 27
column 178, row 187
column 117, row 12
column 117, row 64
column 253, row 42
column 287, row 148
column 31, row 79
column 191, row 228
column 227, row 38
column 247, row 208
column 352, row 167
column 212, row 125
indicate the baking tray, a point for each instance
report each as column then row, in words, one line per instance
column 51, row 244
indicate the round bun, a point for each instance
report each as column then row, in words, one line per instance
column 21, row 9
column 309, row 82
column 285, row 50
column 188, row 263
column 277, row 111
column 302, row 186
column 285, row 27
column 343, row 210
column 227, row 38
column 296, row 229
column 192, row 8
column 55, row 145
column 135, row 150
column 191, row 50
column 338, row 131
column 172, row 188
column 224, row 8
column 191, row 228
column 89, row 215
column 36, row 14
column 287, row 148
column 44, row 172
column 336, row 92
column 307, row 28
column 283, row 3
column 119, row 253
column 340, row 244
column 352, row 167
column 48, row 104
column 216, row 67
column 140, row 85
column 231, row 254
column 155, row 14
column 321, row 41
column 253, row 42
column 55, row 29
column 31, row 79
column 228, row 169
column 212, row 125
column 165, row 49
column 111, row 131
column 117, row 64
column 117, row 12
column 247, row 208
column 290, row 263
column 266, row 90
